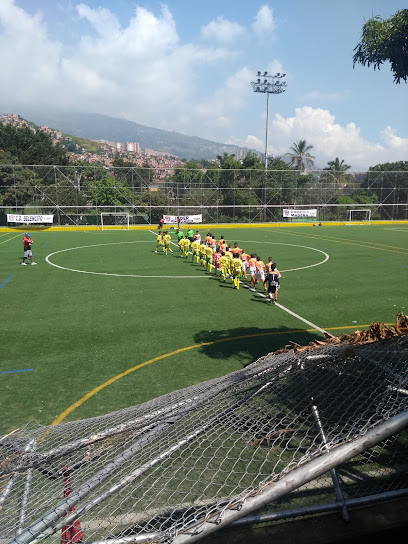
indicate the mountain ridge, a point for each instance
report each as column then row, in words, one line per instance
column 95, row 126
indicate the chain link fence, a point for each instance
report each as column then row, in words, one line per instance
column 305, row 427
column 76, row 195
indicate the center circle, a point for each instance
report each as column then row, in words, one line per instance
column 48, row 260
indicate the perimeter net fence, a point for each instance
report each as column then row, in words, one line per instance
column 77, row 195
column 302, row 426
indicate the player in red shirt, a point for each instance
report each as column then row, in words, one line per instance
column 27, row 241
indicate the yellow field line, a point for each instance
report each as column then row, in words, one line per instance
column 8, row 240
column 112, row 380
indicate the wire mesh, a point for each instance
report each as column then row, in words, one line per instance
column 76, row 195
column 157, row 471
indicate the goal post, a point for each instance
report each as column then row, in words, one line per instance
column 363, row 217
column 114, row 221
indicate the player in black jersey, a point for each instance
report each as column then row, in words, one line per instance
column 272, row 281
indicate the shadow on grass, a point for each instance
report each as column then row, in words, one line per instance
column 252, row 342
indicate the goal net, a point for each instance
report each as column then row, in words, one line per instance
column 178, row 467
column 362, row 217
column 114, row 220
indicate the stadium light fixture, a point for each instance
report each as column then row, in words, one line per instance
column 272, row 84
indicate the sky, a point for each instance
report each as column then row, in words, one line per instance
column 187, row 65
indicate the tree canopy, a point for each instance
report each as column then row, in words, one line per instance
column 385, row 40
column 30, row 147
column 300, row 156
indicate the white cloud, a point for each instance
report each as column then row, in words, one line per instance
column 329, row 139
column 264, row 22
column 222, row 30
column 396, row 143
column 142, row 71
column 29, row 60
column 101, row 19
column 228, row 98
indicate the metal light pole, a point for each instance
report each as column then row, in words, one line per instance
column 271, row 84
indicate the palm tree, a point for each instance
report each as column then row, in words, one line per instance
column 338, row 170
column 300, row 158
column 337, row 166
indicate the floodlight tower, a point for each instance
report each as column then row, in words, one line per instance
column 269, row 84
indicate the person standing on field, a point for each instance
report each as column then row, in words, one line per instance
column 190, row 235
column 167, row 242
column 28, row 254
column 273, row 282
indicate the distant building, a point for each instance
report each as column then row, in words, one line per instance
column 133, row 147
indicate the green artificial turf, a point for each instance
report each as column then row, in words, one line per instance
column 100, row 303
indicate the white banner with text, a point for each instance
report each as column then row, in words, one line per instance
column 183, row 218
column 299, row 213
column 20, row 218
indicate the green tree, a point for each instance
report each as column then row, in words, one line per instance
column 228, row 162
column 252, row 160
column 385, row 40
column 337, row 171
column 30, row 147
column 109, row 192
column 155, row 203
column 300, row 156
column 131, row 174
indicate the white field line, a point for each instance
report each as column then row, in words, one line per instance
column 47, row 259
column 399, row 230
column 313, row 325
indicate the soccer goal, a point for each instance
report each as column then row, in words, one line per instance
column 114, row 220
column 362, row 217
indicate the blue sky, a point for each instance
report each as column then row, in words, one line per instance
column 186, row 65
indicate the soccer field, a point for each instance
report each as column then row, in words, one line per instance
column 103, row 322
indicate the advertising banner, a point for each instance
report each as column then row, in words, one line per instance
column 183, row 218
column 299, row 213
column 19, row 218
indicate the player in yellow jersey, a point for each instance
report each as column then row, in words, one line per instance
column 195, row 250
column 224, row 265
column 159, row 242
column 236, row 269
column 209, row 258
column 228, row 254
column 167, row 241
column 203, row 254
column 185, row 246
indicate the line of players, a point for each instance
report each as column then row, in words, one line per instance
column 226, row 260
